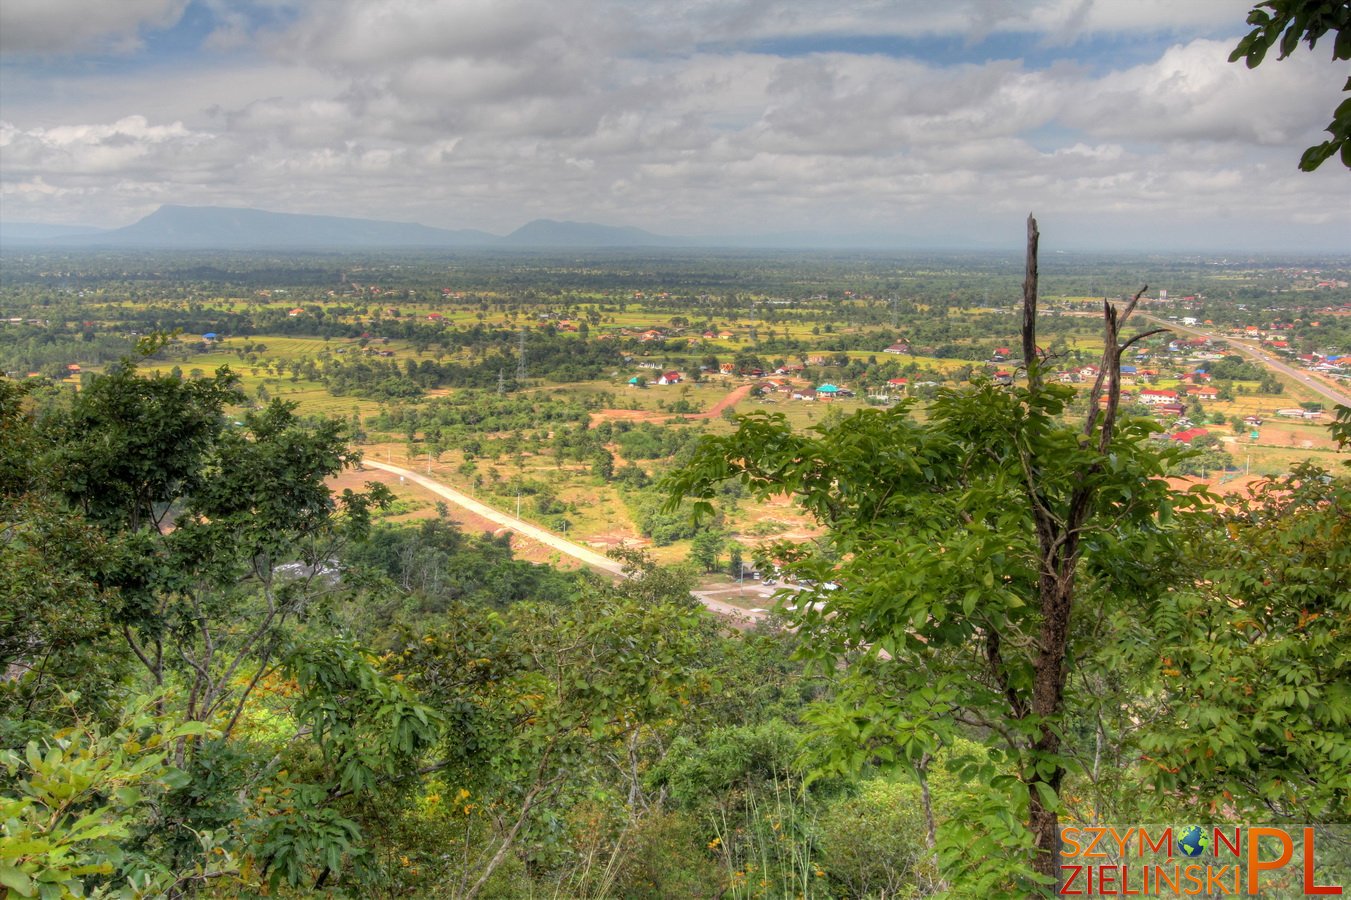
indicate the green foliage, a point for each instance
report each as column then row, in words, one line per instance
column 535, row 693
column 130, row 446
column 1235, row 368
column 1203, row 462
column 662, row 524
column 1255, row 657
column 1284, row 24
column 873, row 844
column 934, row 525
column 704, row 549
column 72, row 801
column 367, row 726
column 745, row 784
column 433, row 565
column 669, row 859
column 205, row 550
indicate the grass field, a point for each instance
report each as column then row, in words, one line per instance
column 597, row 512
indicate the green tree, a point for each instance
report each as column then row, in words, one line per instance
column 735, row 561
column 704, row 549
column 207, row 551
column 603, row 464
column 72, row 805
column 1284, row 24
column 980, row 550
column 541, row 692
column 1254, row 654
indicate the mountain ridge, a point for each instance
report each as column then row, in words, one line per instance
column 178, row 227
column 229, row 228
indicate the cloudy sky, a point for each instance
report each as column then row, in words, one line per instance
column 1119, row 122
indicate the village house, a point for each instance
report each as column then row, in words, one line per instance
column 669, row 378
column 898, row 348
column 1126, row 397
column 1191, row 434
column 1203, row 393
column 1158, row 398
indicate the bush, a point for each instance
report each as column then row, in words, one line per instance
column 873, row 845
column 667, row 858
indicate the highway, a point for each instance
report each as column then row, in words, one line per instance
column 557, row 542
column 1314, row 383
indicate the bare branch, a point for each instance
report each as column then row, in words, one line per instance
column 1030, row 305
column 1139, row 337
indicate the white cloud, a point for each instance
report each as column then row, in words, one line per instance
column 486, row 114
column 63, row 26
column 1192, row 92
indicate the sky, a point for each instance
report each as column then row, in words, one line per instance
column 1120, row 123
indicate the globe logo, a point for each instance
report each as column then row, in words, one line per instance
column 1192, row 841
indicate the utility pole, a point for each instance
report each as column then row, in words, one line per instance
column 520, row 360
column 501, row 381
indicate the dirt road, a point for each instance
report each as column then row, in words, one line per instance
column 548, row 538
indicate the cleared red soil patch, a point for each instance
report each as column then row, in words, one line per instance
column 644, row 415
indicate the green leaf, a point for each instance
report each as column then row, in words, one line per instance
column 17, row 881
column 1048, row 798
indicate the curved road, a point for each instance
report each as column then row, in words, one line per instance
column 1313, row 383
column 548, row 538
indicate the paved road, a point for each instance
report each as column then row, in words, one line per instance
column 548, row 538
column 1312, row 382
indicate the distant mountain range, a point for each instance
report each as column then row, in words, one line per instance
column 223, row 228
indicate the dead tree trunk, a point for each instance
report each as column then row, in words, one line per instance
column 1059, row 534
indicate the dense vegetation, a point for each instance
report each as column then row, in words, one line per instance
column 223, row 678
